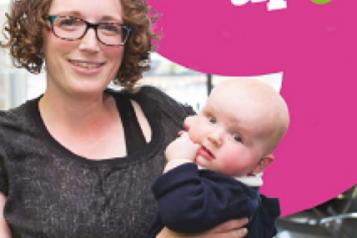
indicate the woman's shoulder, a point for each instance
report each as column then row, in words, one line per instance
column 11, row 116
column 150, row 97
column 163, row 101
column 16, row 118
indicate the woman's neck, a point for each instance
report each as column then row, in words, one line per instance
column 67, row 108
column 89, row 126
column 81, row 112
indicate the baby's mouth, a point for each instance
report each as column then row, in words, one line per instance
column 205, row 153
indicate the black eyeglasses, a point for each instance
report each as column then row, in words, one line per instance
column 74, row 28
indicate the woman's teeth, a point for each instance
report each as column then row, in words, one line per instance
column 87, row 65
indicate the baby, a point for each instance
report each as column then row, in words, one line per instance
column 214, row 169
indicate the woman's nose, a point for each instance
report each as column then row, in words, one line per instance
column 89, row 42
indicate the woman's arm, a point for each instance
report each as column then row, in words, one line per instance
column 4, row 228
column 229, row 229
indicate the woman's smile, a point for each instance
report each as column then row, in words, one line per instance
column 87, row 67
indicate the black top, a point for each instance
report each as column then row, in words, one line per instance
column 52, row 192
column 134, row 136
column 193, row 201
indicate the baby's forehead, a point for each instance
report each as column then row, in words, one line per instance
column 259, row 95
column 247, row 87
column 235, row 114
column 236, row 99
column 246, row 100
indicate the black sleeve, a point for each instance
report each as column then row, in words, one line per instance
column 166, row 104
column 263, row 223
column 270, row 210
column 192, row 200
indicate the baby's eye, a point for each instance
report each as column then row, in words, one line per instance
column 212, row 120
column 237, row 138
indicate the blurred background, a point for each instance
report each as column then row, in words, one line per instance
column 336, row 218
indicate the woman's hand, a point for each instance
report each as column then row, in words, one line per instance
column 4, row 228
column 229, row 229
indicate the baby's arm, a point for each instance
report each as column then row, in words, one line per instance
column 193, row 201
column 180, row 151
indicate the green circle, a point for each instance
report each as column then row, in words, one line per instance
column 321, row 1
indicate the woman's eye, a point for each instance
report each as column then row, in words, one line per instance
column 212, row 120
column 70, row 21
column 111, row 28
column 237, row 138
column 66, row 22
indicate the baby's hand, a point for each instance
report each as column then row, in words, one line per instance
column 181, row 149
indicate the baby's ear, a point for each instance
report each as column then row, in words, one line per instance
column 263, row 163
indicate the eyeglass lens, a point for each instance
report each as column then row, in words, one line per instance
column 73, row 28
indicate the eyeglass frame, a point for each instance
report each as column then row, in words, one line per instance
column 88, row 25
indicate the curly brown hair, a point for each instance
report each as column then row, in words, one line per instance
column 28, row 18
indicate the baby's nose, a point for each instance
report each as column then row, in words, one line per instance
column 216, row 137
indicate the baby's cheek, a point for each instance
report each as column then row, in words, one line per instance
column 195, row 136
column 238, row 161
column 232, row 166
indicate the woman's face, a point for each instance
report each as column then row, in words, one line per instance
column 82, row 67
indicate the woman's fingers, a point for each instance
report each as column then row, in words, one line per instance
column 230, row 225
column 239, row 233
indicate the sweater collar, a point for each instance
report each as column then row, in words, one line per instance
column 251, row 180
column 255, row 180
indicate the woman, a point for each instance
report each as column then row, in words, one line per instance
column 79, row 160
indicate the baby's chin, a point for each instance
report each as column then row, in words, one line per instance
column 201, row 162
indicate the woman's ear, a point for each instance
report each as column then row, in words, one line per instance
column 263, row 163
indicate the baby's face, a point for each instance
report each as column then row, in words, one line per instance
column 233, row 133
